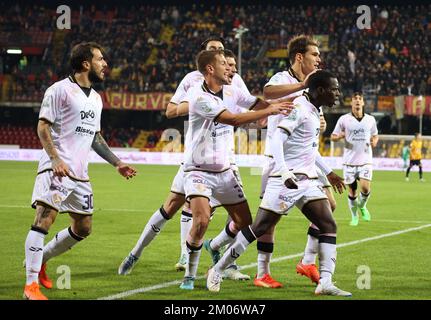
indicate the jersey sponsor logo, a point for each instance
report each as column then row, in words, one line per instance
column 358, row 131
column 199, row 181
column 288, row 199
column 87, row 115
column 84, row 131
column 58, row 188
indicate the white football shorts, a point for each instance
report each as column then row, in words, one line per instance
column 351, row 173
column 280, row 200
column 63, row 194
column 220, row 188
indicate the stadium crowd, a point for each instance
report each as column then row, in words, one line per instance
column 150, row 48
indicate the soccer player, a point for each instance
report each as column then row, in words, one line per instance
column 209, row 181
column 415, row 156
column 360, row 133
column 294, row 147
column 304, row 56
column 68, row 127
column 176, row 198
column 405, row 155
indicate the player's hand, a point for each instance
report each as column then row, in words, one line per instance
column 289, row 179
column 336, row 182
column 280, row 107
column 125, row 170
column 60, row 168
column 306, row 80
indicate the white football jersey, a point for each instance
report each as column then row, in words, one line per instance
column 195, row 77
column 284, row 77
column 301, row 147
column 208, row 144
column 358, row 133
column 75, row 119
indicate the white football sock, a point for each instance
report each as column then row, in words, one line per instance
column 185, row 224
column 312, row 247
column 327, row 256
column 63, row 241
column 151, row 230
column 242, row 240
column 363, row 199
column 34, row 253
column 194, row 254
column 264, row 254
column 225, row 237
column 353, row 205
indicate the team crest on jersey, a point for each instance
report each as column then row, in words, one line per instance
column 56, row 198
column 293, row 114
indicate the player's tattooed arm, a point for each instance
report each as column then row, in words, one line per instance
column 102, row 149
column 59, row 167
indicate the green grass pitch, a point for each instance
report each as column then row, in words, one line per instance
column 398, row 263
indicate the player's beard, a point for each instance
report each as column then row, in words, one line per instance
column 93, row 77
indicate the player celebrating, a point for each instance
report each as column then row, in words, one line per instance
column 360, row 133
column 69, row 126
column 209, row 181
column 176, row 198
column 415, row 156
column 294, row 148
column 304, row 56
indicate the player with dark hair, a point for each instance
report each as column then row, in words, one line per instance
column 176, row 198
column 294, row 147
column 68, row 127
column 209, row 180
column 304, row 56
column 359, row 130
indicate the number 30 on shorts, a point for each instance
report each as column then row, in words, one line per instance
column 88, row 198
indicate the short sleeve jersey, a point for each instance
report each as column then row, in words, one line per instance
column 75, row 119
column 303, row 128
column 358, row 133
column 416, row 150
column 280, row 78
column 209, row 144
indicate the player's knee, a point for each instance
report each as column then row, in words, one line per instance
column 366, row 190
column 328, row 226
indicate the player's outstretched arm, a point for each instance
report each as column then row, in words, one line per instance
column 281, row 90
column 240, row 119
column 337, row 137
column 102, row 149
column 59, row 167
